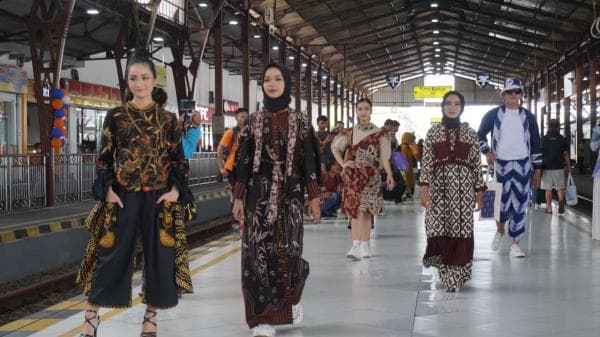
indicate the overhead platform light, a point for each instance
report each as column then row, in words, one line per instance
column 93, row 11
column 256, row 36
column 437, row 55
column 203, row 4
column 435, row 20
column 438, row 49
column 304, row 65
column 233, row 22
column 291, row 57
column 435, row 43
column 275, row 48
column 502, row 37
column 158, row 39
column 436, row 32
column 434, row 5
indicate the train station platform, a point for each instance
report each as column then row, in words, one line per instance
column 553, row 292
column 37, row 240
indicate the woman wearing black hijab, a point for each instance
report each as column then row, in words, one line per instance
column 451, row 184
column 278, row 160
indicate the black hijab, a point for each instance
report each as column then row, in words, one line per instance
column 453, row 123
column 283, row 101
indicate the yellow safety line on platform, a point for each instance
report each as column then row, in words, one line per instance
column 30, row 324
column 73, row 220
column 138, row 300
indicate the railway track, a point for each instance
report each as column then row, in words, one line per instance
column 23, row 301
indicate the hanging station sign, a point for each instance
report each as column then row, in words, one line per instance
column 482, row 80
column 425, row 91
column 393, row 80
column 161, row 76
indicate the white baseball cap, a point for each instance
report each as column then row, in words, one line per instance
column 512, row 83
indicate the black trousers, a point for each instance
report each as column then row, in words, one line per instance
column 111, row 283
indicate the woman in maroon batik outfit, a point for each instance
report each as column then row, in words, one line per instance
column 451, row 183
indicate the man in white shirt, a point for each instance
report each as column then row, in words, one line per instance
column 515, row 150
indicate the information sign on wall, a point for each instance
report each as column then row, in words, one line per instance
column 425, row 91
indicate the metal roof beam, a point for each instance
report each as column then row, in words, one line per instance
column 333, row 15
column 358, row 23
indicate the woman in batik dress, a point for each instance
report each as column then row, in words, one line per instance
column 451, row 184
column 369, row 149
column 278, row 161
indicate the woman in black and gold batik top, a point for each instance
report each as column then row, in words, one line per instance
column 141, row 176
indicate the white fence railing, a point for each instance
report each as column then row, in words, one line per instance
column 23, row 178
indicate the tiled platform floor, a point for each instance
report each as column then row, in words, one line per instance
column 553, row 292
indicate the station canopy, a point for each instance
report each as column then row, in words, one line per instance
column 364, row 40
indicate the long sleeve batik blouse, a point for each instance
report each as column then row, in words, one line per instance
column 141, row 151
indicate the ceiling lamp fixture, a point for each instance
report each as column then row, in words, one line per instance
column 203, row 4
column 435, row 20
column 434, row 5
column 436, row 32
column 275, row 48
column 256, row 36
column 438, row 49
column 435, row 43
column 291, row 57
column 93, row 11
column 158, row 39
column 437, row 55
column 304, row 65
column 233, row 22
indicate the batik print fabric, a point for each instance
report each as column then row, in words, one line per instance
column 278, row 161
column 141, row 154
column 362, row 184
column 141, row 150
column 452, row 170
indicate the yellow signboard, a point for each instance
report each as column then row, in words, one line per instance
column 425, row 91
column 436, row 120
column 161, row 76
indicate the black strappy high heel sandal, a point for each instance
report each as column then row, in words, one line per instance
column 88, row 320
column 148, row 319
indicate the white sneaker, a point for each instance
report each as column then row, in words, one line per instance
column 354, row 252
column 365, row 251
column 496, row 241
column 297, row 313
column 263, row 330
column 515, row 251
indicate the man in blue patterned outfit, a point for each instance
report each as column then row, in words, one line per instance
column 515, row 150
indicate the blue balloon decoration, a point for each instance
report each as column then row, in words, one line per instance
column 57, row 93
column 64, row 141
column 58, row 113
column 56, row 133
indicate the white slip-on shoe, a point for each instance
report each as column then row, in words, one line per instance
column 365, row 251
column 354, row 252
column 497, row 240
column 515, row 251
column 297, row 313
column 263, row 330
